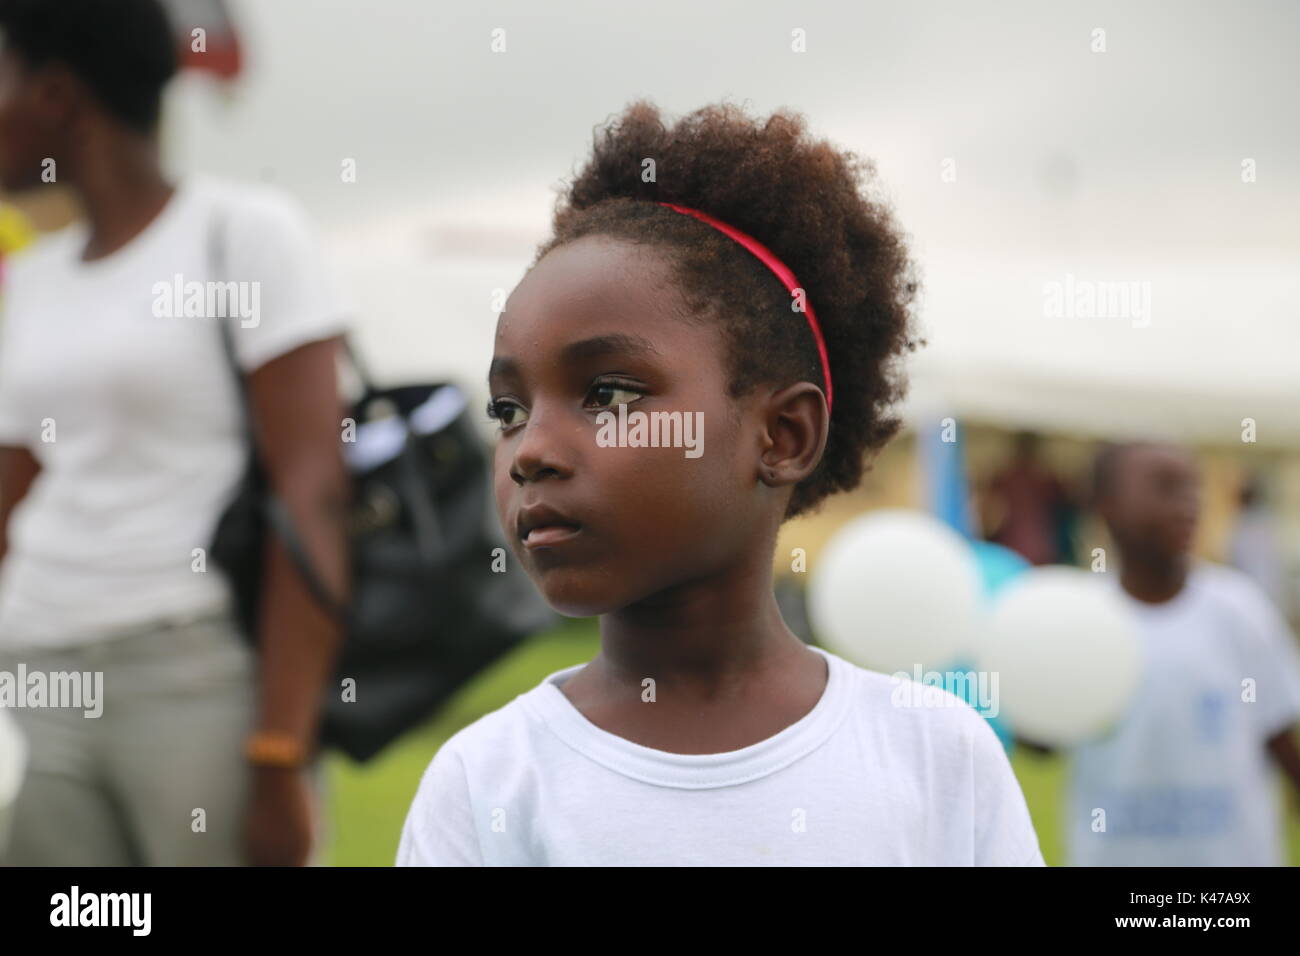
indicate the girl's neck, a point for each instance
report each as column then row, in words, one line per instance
column 726, row 671
column 703, row 633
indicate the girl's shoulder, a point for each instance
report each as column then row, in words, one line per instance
column 921, row 713
column 511, row 727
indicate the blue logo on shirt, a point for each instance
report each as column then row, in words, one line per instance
column 1211, row 707
column 1170, row 811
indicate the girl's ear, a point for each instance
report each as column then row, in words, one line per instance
column 797, row 423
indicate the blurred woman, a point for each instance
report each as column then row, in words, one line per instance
column 123, row 441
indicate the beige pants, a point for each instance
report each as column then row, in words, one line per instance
column 159, row 778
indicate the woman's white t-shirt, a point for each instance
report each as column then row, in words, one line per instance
column 862, row 779
column 130, row 407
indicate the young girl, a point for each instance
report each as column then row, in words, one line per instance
column 728, row 270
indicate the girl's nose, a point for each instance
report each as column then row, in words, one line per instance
column 542, row 450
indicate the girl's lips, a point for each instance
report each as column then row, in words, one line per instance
column 549, row 535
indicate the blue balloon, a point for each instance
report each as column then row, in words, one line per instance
column 1005, row 734
column 961, row 679
column 998, row 566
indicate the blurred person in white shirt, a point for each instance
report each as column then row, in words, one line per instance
column 1187, row 776
column 122, row 440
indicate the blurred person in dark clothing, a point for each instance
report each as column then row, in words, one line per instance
column 1032, row 507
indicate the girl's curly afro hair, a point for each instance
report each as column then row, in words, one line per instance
column 804, row 200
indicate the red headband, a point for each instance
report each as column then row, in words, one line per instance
column 781, row 271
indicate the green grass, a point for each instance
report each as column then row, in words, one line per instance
column 369, row 802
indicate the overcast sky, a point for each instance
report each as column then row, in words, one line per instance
column 1011, row 91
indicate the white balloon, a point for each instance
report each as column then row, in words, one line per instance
column 1066, row 653
column 13, row 764
column 894, row 590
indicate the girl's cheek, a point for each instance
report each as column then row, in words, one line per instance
column 502, row 483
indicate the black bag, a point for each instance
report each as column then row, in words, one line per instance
column 427, row 610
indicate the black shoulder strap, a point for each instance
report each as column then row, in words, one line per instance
column 276, row 513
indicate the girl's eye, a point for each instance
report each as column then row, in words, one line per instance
column 506, row 412
column 613, row 393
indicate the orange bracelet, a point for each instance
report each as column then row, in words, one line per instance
column 266, row 748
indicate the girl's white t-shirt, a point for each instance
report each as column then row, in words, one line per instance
column 129, row 405
column 865, row 778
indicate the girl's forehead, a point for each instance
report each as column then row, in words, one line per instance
column 595, row 267
column 576, row 339
column 578, row 331
column 593, row 287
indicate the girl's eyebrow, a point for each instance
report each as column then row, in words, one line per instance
column 618, row 343
column 600, row 346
